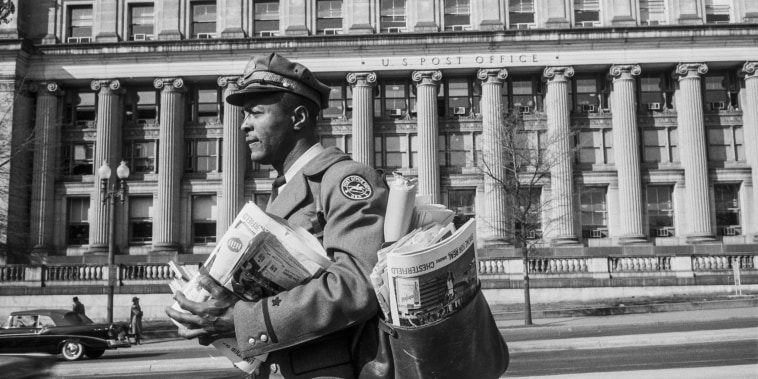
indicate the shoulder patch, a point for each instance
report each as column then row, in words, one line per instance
column 354, row 187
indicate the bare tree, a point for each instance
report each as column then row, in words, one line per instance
column 521, row 168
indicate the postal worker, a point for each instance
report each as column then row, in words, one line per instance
column 325, row 327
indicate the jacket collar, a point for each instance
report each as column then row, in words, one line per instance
column 296, row 191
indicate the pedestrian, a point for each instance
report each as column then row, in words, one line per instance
column 78, row 306
column 326, row 327
column 136, row 320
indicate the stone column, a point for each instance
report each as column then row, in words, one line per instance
column 489, row 19
column 170, row 153
column 692, row 144
column 421, row 14
column 496, row 221
column 233, row 159
column 105, row 21
column 167, row 22
column 294, row 17
column 622, row 13
column 750, row 128
column 560, row 158
column 231, row 12
column 428, row 130
column 626, row 149
column 107, row 149
column 690, row 12
column 363, row 84
column 358, row 16
column 47, row 130
column 558, row 14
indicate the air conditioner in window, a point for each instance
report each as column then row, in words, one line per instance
column 396, row 112
column 654, row 106
column 653, row 22
column 588, row 24
column 588, row 108
column 395, row 29
column 525, row 25
column 461, row 27
column 206, row 35
column 82, row 124
column 664, row 232
column 524, row 110
column 532, row 234
column 331, row 31
column 732, row 230
column 718, row 105
column 598, row 233
column 78, row 39
column 142, row 37
column 459, row 111
column 268, row 33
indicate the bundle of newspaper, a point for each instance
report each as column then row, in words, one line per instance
column 258, row 256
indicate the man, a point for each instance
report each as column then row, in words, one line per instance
column 327, row 326
column 136, row 320
column 78, row 306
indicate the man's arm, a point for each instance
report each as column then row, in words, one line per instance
column 343, row 295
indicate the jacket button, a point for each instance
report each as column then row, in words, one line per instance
column 251, row 341
column 264, row 338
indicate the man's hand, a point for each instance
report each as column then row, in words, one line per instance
column 206, row 319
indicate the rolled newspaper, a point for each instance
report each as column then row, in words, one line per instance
column 400, row 203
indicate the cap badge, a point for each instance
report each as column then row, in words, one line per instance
column 354, row 187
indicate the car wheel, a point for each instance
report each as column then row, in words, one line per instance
column 93, row 354
column 72, row 350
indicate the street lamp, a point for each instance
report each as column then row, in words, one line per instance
column 118, row 190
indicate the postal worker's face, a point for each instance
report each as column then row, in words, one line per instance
column 268, row 128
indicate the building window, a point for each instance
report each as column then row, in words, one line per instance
column 717, row 11
column 204, row 219
column 528, row 220
column 206, row 105
column 652, row 12
column 595, row 146
column 80, row 108
column 392, row 16
column 142, row 156
column 266, row 18
column 396, row 97
column 660, row 145
column 453, row 149
column 78, row 158
column 329, row 16
column 529, row 151
column 586, row 13
column 589, row 94
column 457, row 15
column 721, row 91
column 77, row 228
column 140, row 219
column 141, row 20
column 520, row 95
column 653, row 93
column 203, row 20
column 141, row 107
column 463, row 97
column 726, row 144
column 727, row 209
column 521, row 14
column 478, row 151
column 79, row 24
column 389, row 150
column 202, row 156
column 414, row 151
column 261, row 199
column 594, row 213
column 342, row 142
column 463, row 203
column 660, row 211
column 340, row 101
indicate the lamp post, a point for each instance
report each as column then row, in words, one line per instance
column 118, row 190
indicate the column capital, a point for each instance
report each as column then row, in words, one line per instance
column 227, row 81
column 105, row 85
column 625, row 71
column 690, row 70
column 361, row 79
column 750, row 69
column 558, row 73
column 168, row 84
column 427, row 77
column 492, row 75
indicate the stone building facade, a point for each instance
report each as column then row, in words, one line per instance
column 659, row 97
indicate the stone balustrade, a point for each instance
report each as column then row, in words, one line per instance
column 145, row 273
column 640, row 264
column 723, row 262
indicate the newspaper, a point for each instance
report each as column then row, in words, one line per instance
column 397, row 219
column 429, row 274
column 258, row 256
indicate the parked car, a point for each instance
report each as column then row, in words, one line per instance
column 62, row 331
column 27, row 366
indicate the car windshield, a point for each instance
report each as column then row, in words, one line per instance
column 73, row 318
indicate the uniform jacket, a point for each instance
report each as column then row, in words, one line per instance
column 318, row 328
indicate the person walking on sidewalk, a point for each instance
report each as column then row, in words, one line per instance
column 78, row 306
column 136, row 320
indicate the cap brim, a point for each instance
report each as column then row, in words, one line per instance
column 238, row 98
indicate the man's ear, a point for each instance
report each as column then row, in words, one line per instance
column 300, row 117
